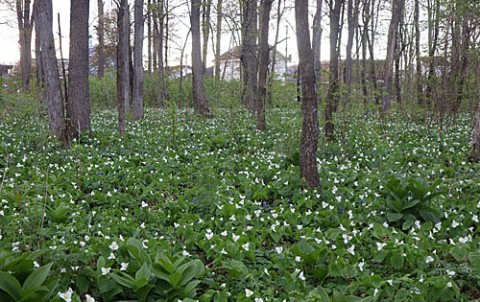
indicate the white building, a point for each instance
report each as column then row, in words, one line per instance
column 230, row 66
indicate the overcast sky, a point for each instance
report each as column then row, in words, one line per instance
column 9, row 52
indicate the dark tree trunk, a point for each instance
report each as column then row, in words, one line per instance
column 38, row 55
column 101, row 39
column 309, row 139
column 352, row 16
column 397, row 13
column 206, row 9
column 249, row 54
column 123, row 66
column 78, row 105
column 137, row 91
column 162, row 89
column 333, row 94
column 218, row 38
column 200, row 104
column 433, row 32
column 263, row 63
column 53, row 94
column 418, row 70
column 317, row 37
column 25, row 27
column 475, row 145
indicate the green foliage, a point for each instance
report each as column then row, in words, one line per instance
column 409, row 200
column 188, row 208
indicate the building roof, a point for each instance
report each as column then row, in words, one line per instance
column 236, row 52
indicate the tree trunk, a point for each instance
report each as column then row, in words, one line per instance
column 333, row 94
column 317, row 38
column 53, row 94
column 309, row 138
column 78, row 105
column 206, row 9
column 397, row 13
column 38, row 55
column 101, row 39
column 263, row 63
column 123, row 68
column 162, row 89
column 218, row 39
column 475, row 145
column 418, row 70
column 200, row 104
column 352, row 16
column 249, row 54
column 137, row 91
column 25, row 27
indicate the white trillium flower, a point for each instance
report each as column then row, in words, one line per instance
column 66, row 296
column 106, row 270
column 248, row 292
column 124, row 266
column 429, row 259
column 89, row 298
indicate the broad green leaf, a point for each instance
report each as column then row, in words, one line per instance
column 190, row 288
column 305, row 247
column 143, row 272
column 193, row 269
column 37, row 277
column 10, row 286
column 124, row 279
column 392, row 217
column 474, row 259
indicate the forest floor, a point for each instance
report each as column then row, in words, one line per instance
column 183, row 207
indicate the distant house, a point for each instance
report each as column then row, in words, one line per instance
column 4, row 71
column 178, row 71
column 230, row 66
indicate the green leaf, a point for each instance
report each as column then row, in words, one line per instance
column 392, row 217
column 430, row 214
column 474, row 259
column 193, row 269
column 338, row 297
column 10, row 286
column 143, row 273
column 374, row 281
column 190, row 289
column 305, row 247
column 396, row 260
column 37, row 277
column 124, row 280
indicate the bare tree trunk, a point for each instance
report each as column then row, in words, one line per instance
column 162, row 93
column 249, row 58
column 206, row 9
column 38, row 55
column 263, row 63
column 309, row 139
column 53, row 95
column 123, row 68
column 218, row 38
column 352, row 16
column 370, row 40
column 475, row 145
column 433, row 32
column 25, row 27
column 101, row 39
column 78, row 105
column 418, row 71
column 137, row 91
column 397, row 12
column 200, row 104
column 317, row 37
column 333, row 95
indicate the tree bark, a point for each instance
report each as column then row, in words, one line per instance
column 123, row 66
column 352, row 16
column 309, row 138
column 317, row 38
column 25, row 27
column 137, row 91
column 206, row 9
column 53, row 94
column 218, row 38
column 333, row 94
column 78, row 105
column 101, row 39
column 263, row 63
column 200, row 104
column 475, row 145
column 418, row 70
column 397, row 13
column 249, row 54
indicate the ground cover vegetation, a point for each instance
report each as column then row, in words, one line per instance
column 186, row 208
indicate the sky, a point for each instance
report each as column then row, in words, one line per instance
column 9, row 52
